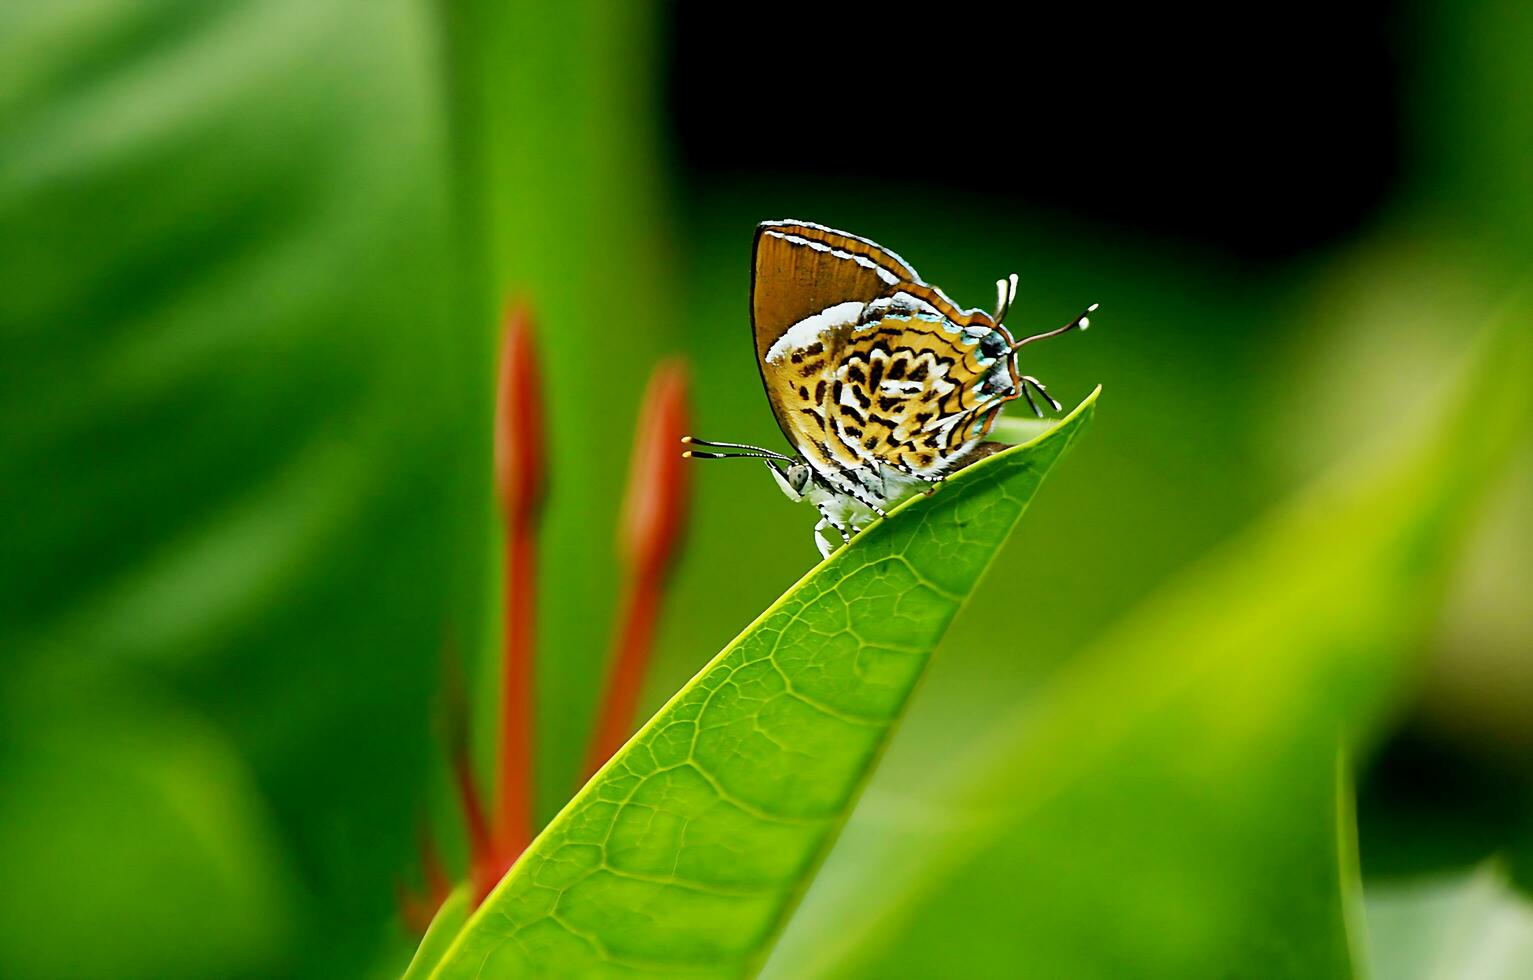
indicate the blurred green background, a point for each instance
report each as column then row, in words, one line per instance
column 252, row 257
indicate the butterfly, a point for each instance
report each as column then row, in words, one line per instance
column 881, row 384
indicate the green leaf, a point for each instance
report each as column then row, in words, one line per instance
column 120, row 808
column 245, row 432
column 1167, row 808
column 444, row 928
column 688, row 850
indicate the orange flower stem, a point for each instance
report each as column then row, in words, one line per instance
column 514, row 805
column 519, row 484
column 653, row 521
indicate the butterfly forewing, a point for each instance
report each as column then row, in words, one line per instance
column 800, row 269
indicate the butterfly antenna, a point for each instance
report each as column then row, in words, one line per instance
column 773, row 457
column 1081, row 321
column 749, row 452
column 1005, row 295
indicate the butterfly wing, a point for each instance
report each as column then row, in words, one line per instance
column 799, row 269
column 868, row 369
column 915, row 392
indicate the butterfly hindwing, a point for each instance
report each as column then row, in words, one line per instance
column 907, row 392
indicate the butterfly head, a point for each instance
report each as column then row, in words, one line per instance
column 1025, row 381
column 793, row 479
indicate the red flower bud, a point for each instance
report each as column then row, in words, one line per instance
column 654, row 508
column 519, row 466
column 519, row 481
column 654, row 517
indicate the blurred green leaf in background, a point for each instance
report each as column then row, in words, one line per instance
column 251, row 260
column 244, row 454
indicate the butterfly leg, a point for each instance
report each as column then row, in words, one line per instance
column 861, row 496
column 820, row 540
column 1028, row 379
column 932, row 482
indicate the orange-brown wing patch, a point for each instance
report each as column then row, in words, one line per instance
column 795, row 276
column 799, row 268
column 843, row 241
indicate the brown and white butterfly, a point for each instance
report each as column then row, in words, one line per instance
column 882, row 385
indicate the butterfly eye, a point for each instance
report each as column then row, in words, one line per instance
column 993, row 345
column 798, row 477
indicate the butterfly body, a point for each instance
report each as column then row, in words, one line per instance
column 880, row 382
column 839, row 512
